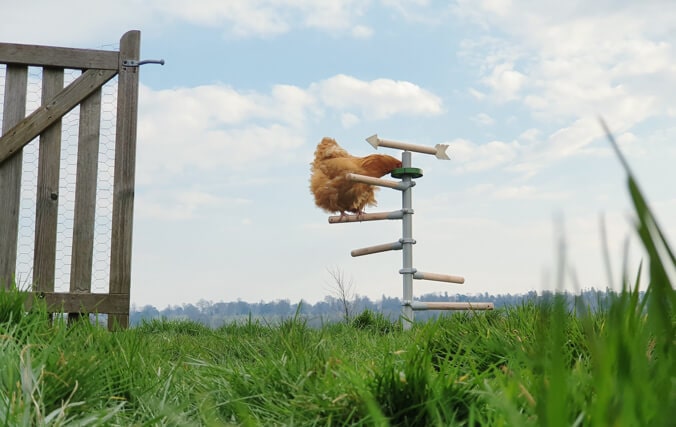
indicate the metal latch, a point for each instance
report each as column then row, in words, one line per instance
column 135, row 63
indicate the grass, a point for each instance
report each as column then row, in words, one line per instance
column 527, row 365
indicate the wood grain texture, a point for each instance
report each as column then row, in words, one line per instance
column 422, row 305
column 47, row 202
column 125, row 167
column 375, row 216
column 18, row 130
column 67, row 302
column 14, row 109
column 15, row 138
column 61, row 57
column 421, row 275
column 82, row 254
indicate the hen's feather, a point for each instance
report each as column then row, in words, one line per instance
column 332, row 191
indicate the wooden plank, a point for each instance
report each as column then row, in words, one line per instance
column 66, row 302
column 375, row 216
column 421, row 305
column 396, row 185
column 16, row 81
column 394, row 246
column 421, row 275
column 47, row 203
column 23, row 132
column 125, row 167
column 82, row 254
column 60, row 57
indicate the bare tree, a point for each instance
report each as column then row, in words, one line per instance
column 343, row 290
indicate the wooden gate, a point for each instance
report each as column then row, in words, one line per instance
column 18, row 129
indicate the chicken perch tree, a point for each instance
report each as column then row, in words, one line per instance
column 344, row 183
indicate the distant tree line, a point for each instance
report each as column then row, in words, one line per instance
column 333, row 309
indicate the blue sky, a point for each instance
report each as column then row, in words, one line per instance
column 228, row 126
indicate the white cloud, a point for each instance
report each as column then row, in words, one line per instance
column 569, row 62
column 208, row 127
column 270, row 17
column 505, row 82
column 349, row 120
column 215, row 131
column 582, row 51
column 581, row 60
column 514, row 192
column 66, row 23
column 333, row 15
column 212, row 126
column 178, row 148
column 376, row 99
column 362, row 32
column 181, row 205
column 476, row 94
column 242, row 19
column 424, row 12
column 530, row 135
column 471, row 157
column 75, row 23
column 484, row 119
column 221, row 104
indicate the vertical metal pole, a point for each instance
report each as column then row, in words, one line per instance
column 407, row 246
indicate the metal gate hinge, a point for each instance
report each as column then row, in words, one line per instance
column 135, row 63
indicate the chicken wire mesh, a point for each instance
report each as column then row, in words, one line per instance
column 67, row 181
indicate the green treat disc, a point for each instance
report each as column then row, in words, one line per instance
column 402, row 172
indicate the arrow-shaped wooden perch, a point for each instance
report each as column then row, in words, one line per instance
column 438, row 150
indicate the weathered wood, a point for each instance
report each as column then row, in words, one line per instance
column 61, row 57
column 47, row 203
column 125, row 167
column 394, row 246
column 23, row 132
column 99, row 67
column 438, row 150
column 422, row 305
column 67, row 302
column 421, row 275
column 396, row 185
column 82, row 254
column 16, row 81
column 375, row 216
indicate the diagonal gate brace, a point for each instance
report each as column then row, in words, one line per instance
column 47, row 114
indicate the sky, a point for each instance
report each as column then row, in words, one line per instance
column 228, row 126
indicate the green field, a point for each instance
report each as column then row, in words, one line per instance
column 547, row 364
column 528, row 365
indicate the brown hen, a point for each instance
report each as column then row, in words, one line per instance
column 333, row 192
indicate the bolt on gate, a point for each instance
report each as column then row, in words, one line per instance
column 406, row 174
column 96, row 67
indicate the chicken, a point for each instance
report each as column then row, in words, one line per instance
column 333, row 192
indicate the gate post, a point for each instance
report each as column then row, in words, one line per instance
column 125, row 167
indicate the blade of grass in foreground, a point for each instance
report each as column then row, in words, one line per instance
column 659, row 327
column 662, row 264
